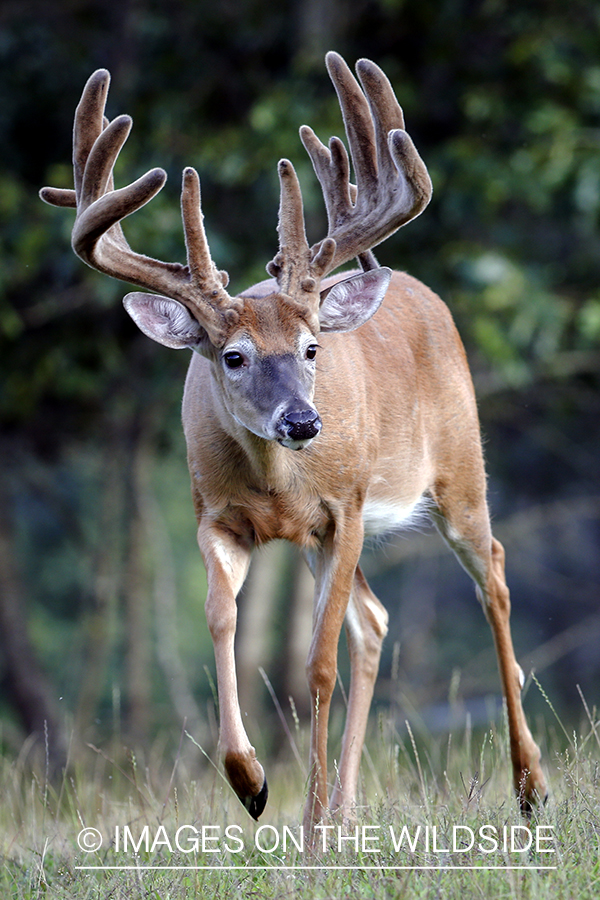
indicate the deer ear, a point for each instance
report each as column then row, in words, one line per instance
column 350, row 303
column 166, row 321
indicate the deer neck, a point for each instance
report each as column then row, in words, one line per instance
column 271, row 464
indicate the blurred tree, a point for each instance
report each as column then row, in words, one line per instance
column 22, row 677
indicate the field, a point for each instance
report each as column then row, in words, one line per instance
column 438, row 820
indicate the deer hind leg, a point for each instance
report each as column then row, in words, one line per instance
column 366, row 626
column 227, row 558
column 334, row 567
column 469, row 535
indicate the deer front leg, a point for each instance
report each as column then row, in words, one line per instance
column 334, row 574
column 227, row 557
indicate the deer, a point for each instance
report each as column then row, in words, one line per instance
column 318, row 408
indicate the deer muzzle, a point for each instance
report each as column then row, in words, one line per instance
column 297, row 427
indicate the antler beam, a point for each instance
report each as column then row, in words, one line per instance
column 98, row 238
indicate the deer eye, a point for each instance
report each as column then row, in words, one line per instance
column 233, row 359
column 311, row 351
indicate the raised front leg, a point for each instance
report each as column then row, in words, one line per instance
column 227, row 558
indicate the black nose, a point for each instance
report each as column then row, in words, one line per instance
column 300, row 426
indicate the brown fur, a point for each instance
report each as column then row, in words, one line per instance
column 399, row 423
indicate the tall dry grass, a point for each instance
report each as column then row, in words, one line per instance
column 149, row 813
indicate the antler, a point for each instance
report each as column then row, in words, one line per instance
column 392, row 183
column 97, row 236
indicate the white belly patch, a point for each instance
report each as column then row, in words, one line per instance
column 380, row 517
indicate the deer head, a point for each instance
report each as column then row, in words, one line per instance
column 263, row 348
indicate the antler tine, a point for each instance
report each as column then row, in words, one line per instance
column 358, row 122
column 297, row 269
column 218, row 308
column 392, row 183
column 291, row 264
column 89, row 122
column 384, row 108
column 200, row 262
column 98, row 238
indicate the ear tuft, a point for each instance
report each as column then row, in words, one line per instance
column 350, row 303
column 164, row 320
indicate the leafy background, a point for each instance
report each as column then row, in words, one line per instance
column 101, row 588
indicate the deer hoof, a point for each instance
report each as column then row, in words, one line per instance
column 255, row 805
column 531, row 791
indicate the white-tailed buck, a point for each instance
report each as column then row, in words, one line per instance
column 316, row 409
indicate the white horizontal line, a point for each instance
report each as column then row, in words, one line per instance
column 304, row 868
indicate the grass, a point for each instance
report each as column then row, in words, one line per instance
column 150, row 816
